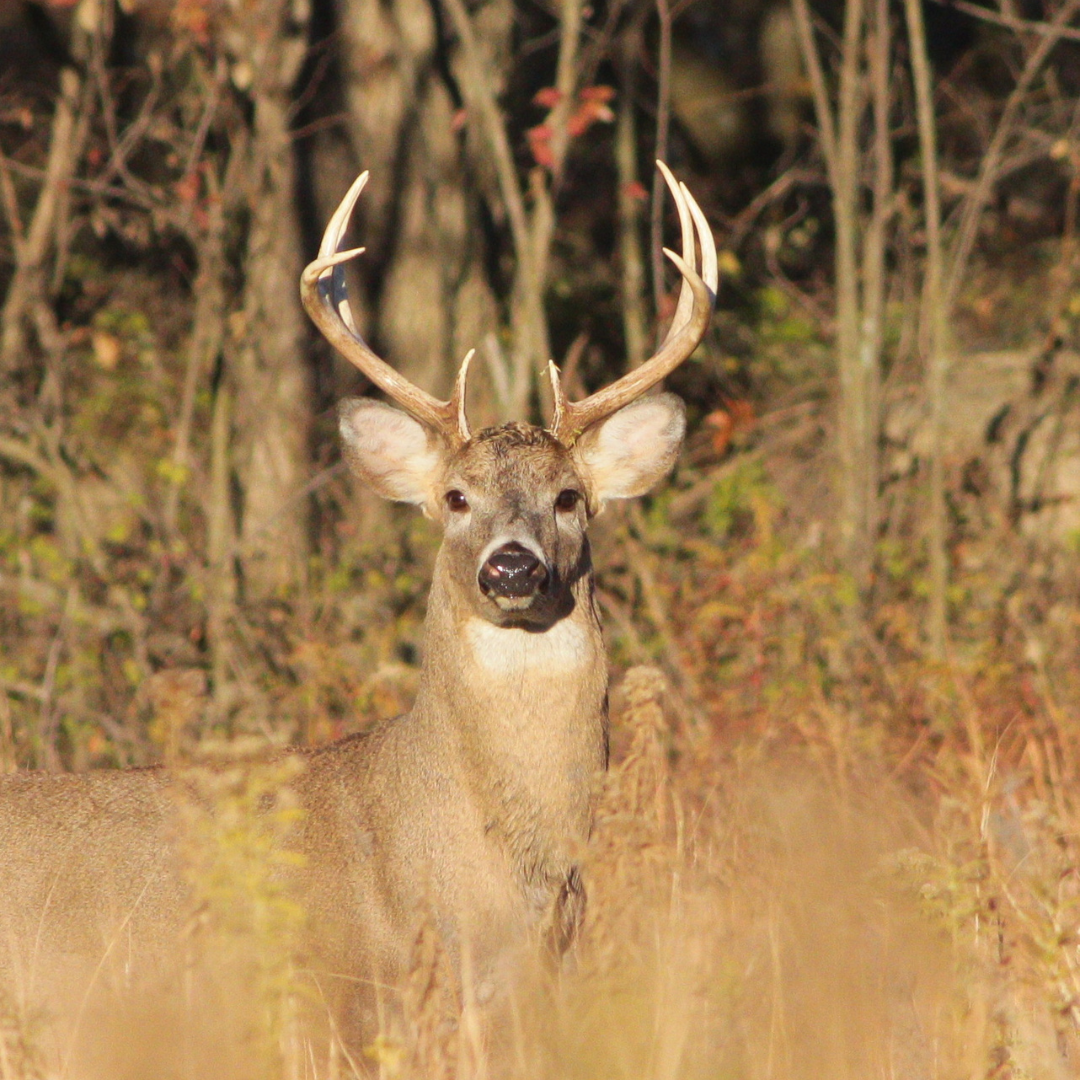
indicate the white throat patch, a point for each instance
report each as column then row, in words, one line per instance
column 500, row 651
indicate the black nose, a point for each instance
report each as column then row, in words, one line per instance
column 512, row 571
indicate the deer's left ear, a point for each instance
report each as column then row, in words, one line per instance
column 630, row 451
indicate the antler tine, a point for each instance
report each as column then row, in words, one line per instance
column 692, row 313
column 324, row 292
column 686, row 225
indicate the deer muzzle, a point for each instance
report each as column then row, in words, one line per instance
column 512, row 575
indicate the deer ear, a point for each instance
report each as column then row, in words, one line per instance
column 388, row 450
column 626, row 454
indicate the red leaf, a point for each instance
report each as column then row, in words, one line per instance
column 742, row 413
column 187, row 188
column 547, row 98
column 578, row 124
column 723, row 428
column 588, row 113
column 540, row 145
column 597, row 93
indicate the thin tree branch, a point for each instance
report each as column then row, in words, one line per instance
column 478, row 91
column 11, row 207
column 205, row 342
column 935, row 310
column 879, row 51
column 853, row 421
column 28, row 279
column 527, row 312
column 663, row 121
column 1010, row 22
column 543, row 217
column 632, row 262
column 967, row 231
column 818, row 88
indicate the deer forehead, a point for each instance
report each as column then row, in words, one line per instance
column 515, row 455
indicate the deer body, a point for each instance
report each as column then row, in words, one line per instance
column 492, row 835
column 472, row 808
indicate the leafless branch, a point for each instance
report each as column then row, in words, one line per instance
column 28, row 279
column 530, row 325
column 11, row 206
column 480, row 95
column 209, row 110
column 935, row 308
column 989, row 165
column 631, row 257
column 1011, row 22
column 663, row 121
column 785, row 182
column 818, row 87
column 207, row 336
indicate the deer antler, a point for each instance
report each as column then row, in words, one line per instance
column 696, row 299
column 324, row 293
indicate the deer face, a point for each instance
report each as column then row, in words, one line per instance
column 514, row 510
column 513, row 500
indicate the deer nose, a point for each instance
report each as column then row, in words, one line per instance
column 512, row 571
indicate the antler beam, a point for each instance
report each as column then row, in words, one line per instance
column 692, row 314
column 324, row 293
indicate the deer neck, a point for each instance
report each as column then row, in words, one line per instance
column 523, row 718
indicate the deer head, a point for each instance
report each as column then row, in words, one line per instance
column 514, row 500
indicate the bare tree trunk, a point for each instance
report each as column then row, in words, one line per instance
column 420, row 219
column 861, row 243
column 663, row 121
column 272, row 407
column 852, row 421
column 934, row 327
column 630, row 202
column 27, row 288
column 220, row 552
column 875, row 247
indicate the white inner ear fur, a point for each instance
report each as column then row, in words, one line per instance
column 626, row 454
column 389, row 451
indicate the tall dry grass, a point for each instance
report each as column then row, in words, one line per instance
column 757, row 912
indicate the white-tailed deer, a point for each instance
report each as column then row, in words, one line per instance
column 472, row 808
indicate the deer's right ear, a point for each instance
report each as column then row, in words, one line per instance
column 628, row 452
column 389, row 451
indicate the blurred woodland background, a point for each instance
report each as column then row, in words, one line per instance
column 865, row 566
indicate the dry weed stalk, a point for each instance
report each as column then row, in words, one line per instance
column 633, row 821
column 432, row 1010
column 20, row 1058
column 642, row 950
column 1003, row 880
column 245, row 927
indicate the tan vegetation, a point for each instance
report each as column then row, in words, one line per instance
column 782, row 908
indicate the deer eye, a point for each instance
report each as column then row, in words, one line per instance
column 456, row 501
column 567, row 499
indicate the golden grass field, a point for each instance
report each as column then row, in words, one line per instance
column 796, row 901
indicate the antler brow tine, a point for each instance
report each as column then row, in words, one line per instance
column 324, row 293
column 692, row 313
